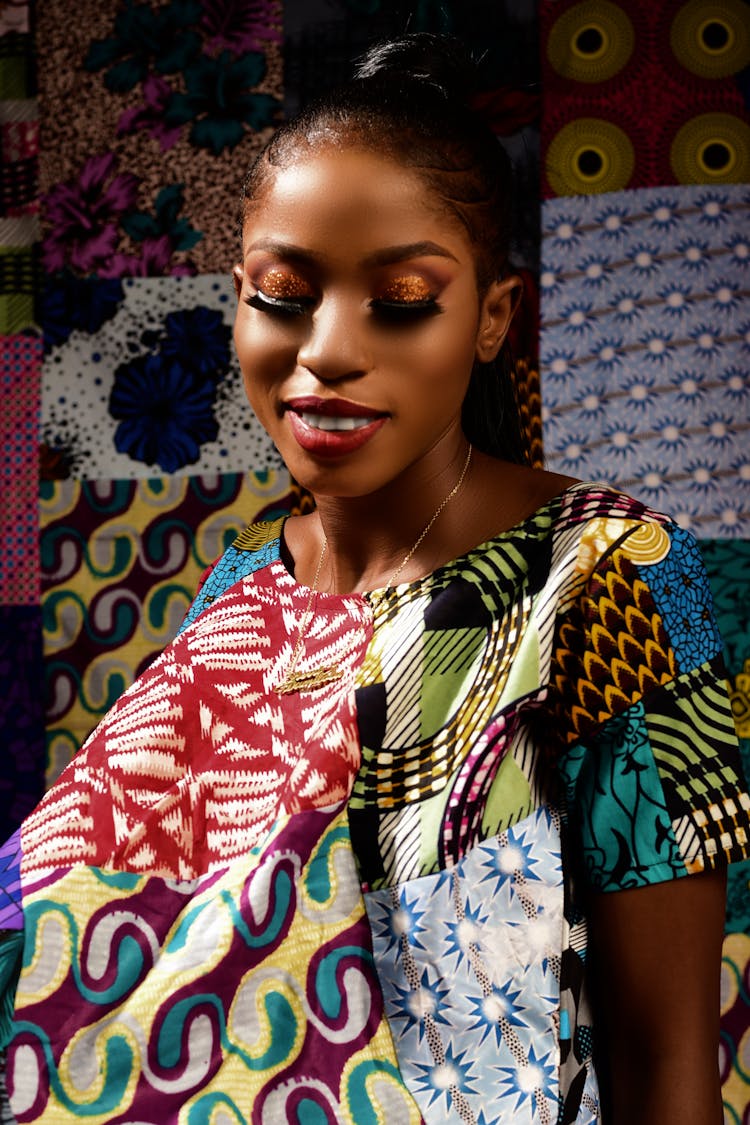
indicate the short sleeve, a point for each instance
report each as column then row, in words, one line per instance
column 254, row 548
column 651, row 770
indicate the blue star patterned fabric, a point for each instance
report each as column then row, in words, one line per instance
column 464, row 961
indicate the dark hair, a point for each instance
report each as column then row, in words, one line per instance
column 410, row 99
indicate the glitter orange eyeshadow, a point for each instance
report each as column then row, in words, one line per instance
column 406, row 289
column 278, row 283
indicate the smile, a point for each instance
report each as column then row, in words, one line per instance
column 331, row 423
column 330, row 428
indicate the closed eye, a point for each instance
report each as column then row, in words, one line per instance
column 404, row 312
column 280, row 306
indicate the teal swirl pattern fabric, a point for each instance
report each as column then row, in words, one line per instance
column 135, row 967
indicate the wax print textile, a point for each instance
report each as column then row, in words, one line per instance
column 654, row 98
column 495, row 790
column 21, row 667
column 142, row 178
column 140, row 376
column 120, row 563
column 640, row 94
column 728, row 565
column 210, row 826
column 646, row 348
column 734, row 1049
column 19, row 146
column 192, row 869
column 20, row 392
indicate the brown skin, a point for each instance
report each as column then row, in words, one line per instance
column 331, row 229
column 373, row 504
column 657, row 952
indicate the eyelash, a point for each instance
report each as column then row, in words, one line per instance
column 281, row 306
column 402, row 312
column 393, row 312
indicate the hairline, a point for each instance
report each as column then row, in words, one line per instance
column 352, row 136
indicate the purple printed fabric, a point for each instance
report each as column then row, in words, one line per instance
column 11, row 916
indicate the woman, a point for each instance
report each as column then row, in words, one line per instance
column 333, row 856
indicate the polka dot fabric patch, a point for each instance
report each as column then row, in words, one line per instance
column 20, row 379
column 140, row 377
column 645, row 348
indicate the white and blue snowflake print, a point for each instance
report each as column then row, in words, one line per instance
column 645, row 354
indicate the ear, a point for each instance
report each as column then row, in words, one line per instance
column 238, row 274
column 496, row 312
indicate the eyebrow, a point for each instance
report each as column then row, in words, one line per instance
column 284, row 250
column 385, row 257
column 392, row 254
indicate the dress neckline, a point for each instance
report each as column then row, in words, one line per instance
column 456, row 563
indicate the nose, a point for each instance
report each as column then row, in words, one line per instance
column 335, row 347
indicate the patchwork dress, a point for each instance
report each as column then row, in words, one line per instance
column 362, row 903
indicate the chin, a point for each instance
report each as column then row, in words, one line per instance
column 339, row 481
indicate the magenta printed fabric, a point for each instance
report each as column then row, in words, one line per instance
column 20, row 389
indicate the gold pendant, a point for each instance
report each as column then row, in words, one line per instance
column 308, row 681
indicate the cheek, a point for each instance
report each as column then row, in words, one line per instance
column 265, row 353
column 445, row 358
column 446, row 378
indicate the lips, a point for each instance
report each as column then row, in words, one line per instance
column 332, row 427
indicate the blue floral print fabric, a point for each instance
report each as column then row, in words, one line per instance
column 143, row 379
column 645, row 344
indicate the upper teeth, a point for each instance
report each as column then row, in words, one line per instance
column 333, row 421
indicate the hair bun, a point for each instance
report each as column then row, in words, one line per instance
column 442, row 61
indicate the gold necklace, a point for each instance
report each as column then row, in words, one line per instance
column 446, row 500
column 319, row 677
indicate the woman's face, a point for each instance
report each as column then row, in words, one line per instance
column 359, row 320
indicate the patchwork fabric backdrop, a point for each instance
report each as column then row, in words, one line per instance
column 129, row 457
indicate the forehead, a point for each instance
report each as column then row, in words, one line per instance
column 351, row 199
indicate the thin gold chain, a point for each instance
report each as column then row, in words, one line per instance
column 301, row 681
column 446, row 500
column 289, row 682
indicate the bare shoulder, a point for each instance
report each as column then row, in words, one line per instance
column 511, row 493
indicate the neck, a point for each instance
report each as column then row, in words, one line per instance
column 370, row 536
